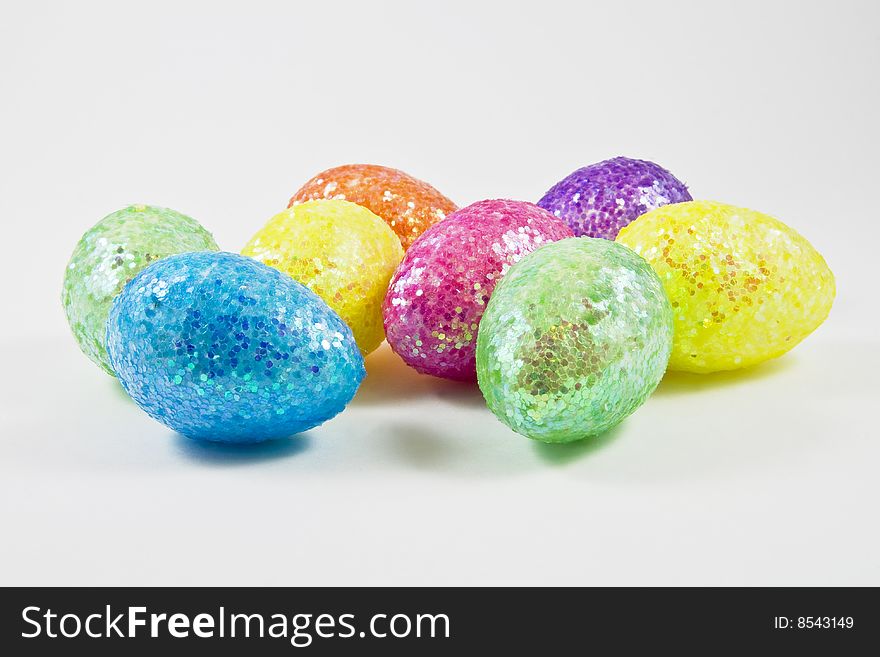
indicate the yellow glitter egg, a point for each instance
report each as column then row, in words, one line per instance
column 341, row 251
column 744, row 287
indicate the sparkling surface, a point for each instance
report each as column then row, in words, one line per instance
column 109, row 255
column 407, row 204
column 575, row 338
column 343, row 252
column 600, row 199
column 220, row 347
column 439, row 292
column 744, row 286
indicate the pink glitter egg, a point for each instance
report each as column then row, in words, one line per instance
column 439, row 291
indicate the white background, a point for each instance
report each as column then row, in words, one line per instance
column 222, row 112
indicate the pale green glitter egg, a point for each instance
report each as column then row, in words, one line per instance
column 113, row 252
column 575, row 337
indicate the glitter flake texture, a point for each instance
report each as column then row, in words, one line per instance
column 342, row 252
column 113, row 252
column 744, row 286
column 222, row 348
column 440, row 290
column 576, row 337
column 407, row 204
column 600, row 199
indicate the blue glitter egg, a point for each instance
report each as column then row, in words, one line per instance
column 223, row 348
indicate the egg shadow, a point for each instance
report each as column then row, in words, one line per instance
column 487, row 453
column 476, row 458
column 462, row 393
column 390, row 381
column 232, row 454
column 683, row 383
column 564, row 453
column 117, row 390
column 422, row 447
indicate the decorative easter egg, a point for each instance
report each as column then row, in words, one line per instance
column 342, row 252
column 109, row 255
column 575, row 337
column 600, row 199
column 407, row 204
column 744, row 286
column 440, row 290
column 222, row 348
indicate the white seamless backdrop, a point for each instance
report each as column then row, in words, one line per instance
column 221, row 110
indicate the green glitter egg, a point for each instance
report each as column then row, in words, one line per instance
column 113, row 252
column 575, row 337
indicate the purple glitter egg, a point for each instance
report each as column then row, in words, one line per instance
column 439, row 292
column 600, row 199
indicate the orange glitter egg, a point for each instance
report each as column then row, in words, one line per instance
column 409, row 205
